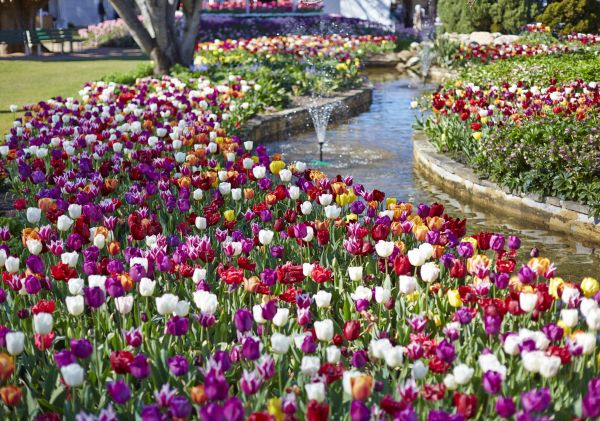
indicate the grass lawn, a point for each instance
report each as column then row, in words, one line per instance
column 29, row 81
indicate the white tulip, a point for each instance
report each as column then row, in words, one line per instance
column 384, row 248
column 259, row 172
column 12, row 264
column 225, row 188
column 124, row 304
column 570, row 317
column 34, row 246
column 408, row 284
column 15, row 342
column 265, row 237
column 248, row 145
column 419, row 370
column 315, row 391
column 236, row 194
column 281, row 317
column 75, row 305
column 426, row 250
column 147, row 286
column 280, row 344
column 64, row 223
column 587, row 341
column 294, row 192
column 355, row 273
column 323, row 299
column 70, row 259
column 527, row 301
column 550, row 366
column 511, row 344
column 299, row 339
column 532, row 361
column 310, row 365
column 394, row 356
column 450, row 382
column 332, row 211
column 97, row 281
column 462, row 374
column 42, row 323
column 307, row 269
column 324, row 330
column 301, row 166
column 310, row 234
column 247, row 163
column 34, row 215
column 362, row 293
column 306, row 208
column 593, row 319
column 100, row 241
column 200, row 222
column 430, row 272
column 206, row 301
column 198, row 194
column 379, row 347
column 2, row 257
column 72, row 374
column 333, row 354
column 74, row 210
column 167, row 303
column 199, row 275
column 416, row 257
column 257, row 314
column 569, row 294
column 382, row 295
column 285, row 175
column 325, row 199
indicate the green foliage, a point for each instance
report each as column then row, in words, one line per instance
column 459, row 16
column 534, row 70
column 569, row 16
column 508, row 16
column 129, row 78
column 445, row 51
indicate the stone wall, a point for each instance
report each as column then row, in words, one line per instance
column 283, row 124
column 462, row 183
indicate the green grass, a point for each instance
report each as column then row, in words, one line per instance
column 30, row 81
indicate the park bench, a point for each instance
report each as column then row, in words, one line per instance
column 11, row 37
column 57, row 36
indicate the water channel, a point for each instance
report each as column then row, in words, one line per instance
column 376, row 149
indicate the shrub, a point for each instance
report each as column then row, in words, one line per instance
column 569, row 16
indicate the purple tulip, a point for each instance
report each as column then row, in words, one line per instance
column 140, row 367
column 445, row 351
column 359, row 358
column 526, row 275
column 308, row 345
column 94, row 297
column 359, row 411
column 151, row 413
column 465, row 249
column 119, row 391
column 64, row 358
column 251, row 349
column 497, row 242
column 492, row 382
column 211, row 411
column 180, row 408
column 250, row 382
column 536, row 400
column 177, row 325
column 215, row 386
column 233, row 409
column 32, row 285
column 505, row 407
column 243, row 320
column 492, row 324
column 178, row 365
column 35, row 264
column 133, row 337
column 81, row 348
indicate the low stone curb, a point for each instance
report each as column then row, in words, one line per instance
column 286, row 123
column 461, row 182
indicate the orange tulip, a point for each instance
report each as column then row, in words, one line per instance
column 361, row 387
column 198, row 395
column 11, row 395
column 7, row 366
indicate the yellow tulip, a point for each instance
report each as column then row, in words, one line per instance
column 555, row 284
column 454, row 298
column 477, row 135
column 589, row 286
column 276, row 166
column 274, row 408
column 229, row 215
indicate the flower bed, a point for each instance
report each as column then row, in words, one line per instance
column 278, row 6
column 161, row 267
column 529, row 124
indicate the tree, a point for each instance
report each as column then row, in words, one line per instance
column 570, row 16
column 19, row 14
column 165, row 39
column 465, row 16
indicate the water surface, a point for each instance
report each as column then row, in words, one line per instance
column 376, row 149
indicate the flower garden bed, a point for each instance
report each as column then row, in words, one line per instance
column 161, row 266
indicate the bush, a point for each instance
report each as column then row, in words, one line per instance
column 129, row 78
column 569, row 16
column 507, row 16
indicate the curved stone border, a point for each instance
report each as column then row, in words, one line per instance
column 461, row 182
column 283, row 124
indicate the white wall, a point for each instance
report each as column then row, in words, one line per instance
column 374, row 10
column 78, row 12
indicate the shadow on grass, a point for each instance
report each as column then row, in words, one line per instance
column 128, row 54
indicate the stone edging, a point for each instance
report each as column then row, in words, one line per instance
column 282, row 124
column 461, row 182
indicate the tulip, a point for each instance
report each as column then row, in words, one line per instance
column 419, row 370
column 15, row 342
column 407, row 284
column 34, row 215
column 64, row 223
column 333, row 354
column 355, row 273
column 362, row 385
column 430, row 272
column 42, row 323
column 323, row 299
column 382, row 295
column 265, row 237
column 167, row 303
column 310, row 365
column 124, row 304
column 206, row 302
column 324, row 330
column 280, row 344
column 306, row 208
column 75, row 305
column 11, row 395
column 416, row 257
column 72, row 374
column 12, row 264
column 569, row 317
column 332, row 211
column 315, row 392
column 462, row 374
column 384, row 248
column 394, row 356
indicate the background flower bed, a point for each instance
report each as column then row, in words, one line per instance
column 528, row 123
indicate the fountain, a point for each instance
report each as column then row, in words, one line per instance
column 320, row 116
column 427, row 34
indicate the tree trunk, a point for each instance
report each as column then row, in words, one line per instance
column 157, row 35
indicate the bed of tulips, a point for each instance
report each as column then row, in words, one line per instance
column 528, row 123
column 161, row 268
column 278, row 6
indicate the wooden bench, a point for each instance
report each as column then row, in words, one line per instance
column 60, row 36
column 12, row 37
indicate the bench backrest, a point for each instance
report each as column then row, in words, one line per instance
column 12, row 37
